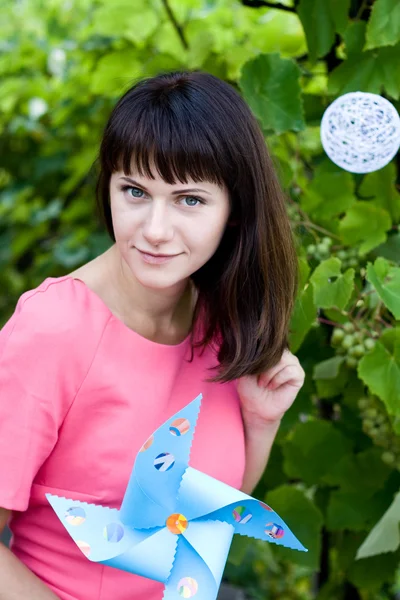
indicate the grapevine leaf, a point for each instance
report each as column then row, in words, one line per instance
column 363, row 472
column 125, row 18
column 384, row 24
column 380, row 371
column 374, row 71
column 384, row 537
column 329, row 388
column 271, row 87
column 304, row 519
column 328, row 369
column 354, row 37
column 365, row 223
column 340, row 14
column 386, row 280
column 381, row 187
column 319, row 26
column 312, row 451
column 321, row 199
column 110, row 76
column 369, row 574
column 328, row 293
column 303, row 316
column 389, row 249
column 354, row 510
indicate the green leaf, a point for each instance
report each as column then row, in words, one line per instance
column 386, row 280
column 375, row 71
column 389, row 249
column 331, row 288
column 278, row 31
column 321, row 198
column 370, row 574
column 363, row 472
column 353, row 510
column 238, row 549
column 303, row 518
column 271, row 86
column 365, row 223
column 328, row 369
column 319, row 26
column 380, row 371
column 384, row 537
column 303, row 316
column 329, row 388
column 384, row 24
column 354, row 37
column 313, row 449
column 381, row 186
column 340, row 14
column 390, row 339
column 130, row 19
column 115, row 71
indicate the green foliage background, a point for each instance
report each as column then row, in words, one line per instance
column 334, row 470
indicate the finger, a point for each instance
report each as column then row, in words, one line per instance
column 290, row 374
column 286, row 361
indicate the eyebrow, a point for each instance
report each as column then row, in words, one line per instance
column 130, row 180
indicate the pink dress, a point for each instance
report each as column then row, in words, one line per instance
column 79, row 394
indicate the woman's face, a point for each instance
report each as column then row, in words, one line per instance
column 184, row 221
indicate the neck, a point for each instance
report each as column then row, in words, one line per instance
column 160, row 311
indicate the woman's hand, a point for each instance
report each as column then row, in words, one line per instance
column 265, row 398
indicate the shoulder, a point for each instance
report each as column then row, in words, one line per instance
column 59, row 306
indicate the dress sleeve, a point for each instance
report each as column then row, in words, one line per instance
column 46, row 349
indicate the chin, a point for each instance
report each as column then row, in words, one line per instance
column 156, row 282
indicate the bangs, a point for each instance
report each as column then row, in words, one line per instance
column 175, row 142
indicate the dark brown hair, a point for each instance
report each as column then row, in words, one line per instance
column 191, row 123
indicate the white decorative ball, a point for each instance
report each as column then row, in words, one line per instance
column 360, row 132
column 37, row 107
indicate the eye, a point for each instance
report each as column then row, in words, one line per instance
column 193, row 198
column 125, row 188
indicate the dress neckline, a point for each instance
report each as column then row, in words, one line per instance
column 116, row 319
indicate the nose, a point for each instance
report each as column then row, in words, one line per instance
column 157, row 227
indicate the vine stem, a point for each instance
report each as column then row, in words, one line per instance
column 317, row 227
column 364, row 5
column 328, row 322
column 388, row 325
column 179, row 29
column 261, row 3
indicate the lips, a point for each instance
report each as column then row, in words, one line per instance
column 156, row 259
column 157, row 255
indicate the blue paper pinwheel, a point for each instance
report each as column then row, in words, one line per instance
column 175, row 524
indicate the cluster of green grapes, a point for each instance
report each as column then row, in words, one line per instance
column 354, row 344
column 5, row 178
column 320, row 251
column 376, row 424
column 293, row 212
column 349, row 258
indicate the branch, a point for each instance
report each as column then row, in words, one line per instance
column 175, row 23
column 260, row 3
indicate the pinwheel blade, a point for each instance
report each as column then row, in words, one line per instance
column 190, row 575
column 96, row 530
column 158, row 470
column 153, row 557
column 102, row 537
column 203, row 498
column 211, row 540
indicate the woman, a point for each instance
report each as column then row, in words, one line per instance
column 201, row 276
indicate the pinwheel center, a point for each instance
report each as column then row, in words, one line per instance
column 177, row 523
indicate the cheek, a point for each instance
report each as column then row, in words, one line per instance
column 207, row 235
column 123, row 221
